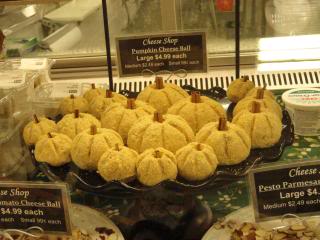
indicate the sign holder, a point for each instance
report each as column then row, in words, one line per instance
column 237, row 37
column 107, row 42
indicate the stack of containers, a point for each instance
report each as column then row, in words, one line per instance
column 16, row 91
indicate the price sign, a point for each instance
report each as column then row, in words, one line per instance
column 162, row 52
column 290, row 188
column 24, row 205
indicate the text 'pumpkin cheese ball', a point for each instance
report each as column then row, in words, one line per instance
column 239, row 88
column 89, row 145
column 121, row 118
column 118, row 163
column 167, row 131
column 36, row 128
column 54, row 149
column 265, row 103
column 198, row 110
column 162, row 95
column 264, row 128
column 196, row 161
column 155, row 166
column 72, row 103
column 100, row 103
column 230, row 142
column 93, row 92
column 74, row 123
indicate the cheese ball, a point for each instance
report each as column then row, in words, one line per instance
column 36, row 128
column 93, row 92
column 72, row 103
column 118, row 163
column 54, row 149
column 196, row 161
column 239, row 88
column 155, row 166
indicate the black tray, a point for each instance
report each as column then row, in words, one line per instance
column 93, row 182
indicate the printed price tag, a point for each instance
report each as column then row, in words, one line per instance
column 287, row 188
column 162, row 52
column 61, row 90
column 11, row 79
column 34, row 63
column 24, row 205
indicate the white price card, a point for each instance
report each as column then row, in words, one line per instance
column 34, row 64
column 11, row 79
column 61, row 90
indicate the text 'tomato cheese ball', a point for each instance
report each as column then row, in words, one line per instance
column 89, row 145
column 168, row 131
column 155, row 166
column 198, row 110
column 230, row 142
column 162, row 95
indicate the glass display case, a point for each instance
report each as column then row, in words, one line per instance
column 172, row 155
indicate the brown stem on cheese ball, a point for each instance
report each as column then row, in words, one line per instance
column 199, row 147
column 195, row 97
column 131, row 104
column 50, row 135
column 264, row 86
column 245, row 78
column 157, row 154
column 159, row 83
column 260, row 93
column 36, row 119
column 93, row 86
column 76, row 113
column 222, row 124
column 255, row 107
column 108, row 93
column 72, row 96
column 117, row 147
column 93, row 129
column 158, row 117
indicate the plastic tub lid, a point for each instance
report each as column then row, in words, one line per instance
column 302, row 98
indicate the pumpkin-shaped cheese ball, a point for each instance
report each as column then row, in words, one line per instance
column 121, row 118
column 89, row 145
column 239, row 88
column 70, row 104
column 118, row 163
column 162, row 95
column 198, row 110
column 266, row 103
column 266, row 93
column 264, row 128
column 169, row 131
column 99, row 104
column 54, row 149
column 230, row 142
column 196, row 161
column 36, row 128
column 75, row 123
column 155, row 166
column 93, row 92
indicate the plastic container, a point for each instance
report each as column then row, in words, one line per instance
column 303, row 105
column 14, row 155
column 48, row 96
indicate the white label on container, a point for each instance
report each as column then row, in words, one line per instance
column 65, row 90
column 306, row 122
column 34, row 63
column 11, row 79
column 305, row 97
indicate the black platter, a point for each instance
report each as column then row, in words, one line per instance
column 92, row 182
